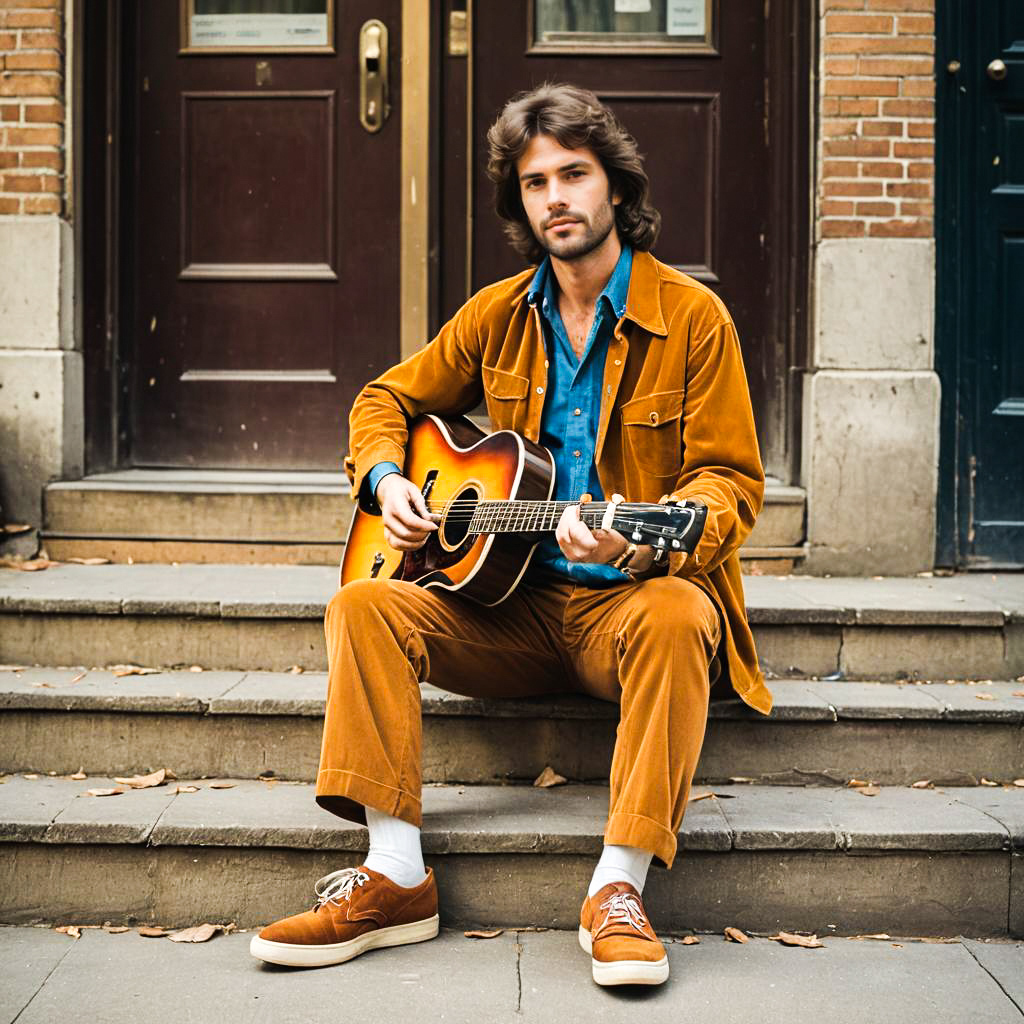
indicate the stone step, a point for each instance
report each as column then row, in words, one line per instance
column 246, row 724
column 969, row 626
column 761, row 857
column 206, row 516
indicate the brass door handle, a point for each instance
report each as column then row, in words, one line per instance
column 373, row 75
column 996, row 70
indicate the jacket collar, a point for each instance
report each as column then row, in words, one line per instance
column 643, row 303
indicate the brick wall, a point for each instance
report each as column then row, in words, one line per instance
column 31, row 106
column 876, row 159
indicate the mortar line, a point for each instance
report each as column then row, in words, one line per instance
column 1020, row 1009
column 49, row 973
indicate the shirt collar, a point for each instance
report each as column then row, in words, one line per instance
column 615, row 291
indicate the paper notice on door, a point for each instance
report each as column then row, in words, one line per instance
column 632, row 6
column 686, row 17
column 259, row 30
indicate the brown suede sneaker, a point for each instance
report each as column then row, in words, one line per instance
column 357, row 909
column 615, row 931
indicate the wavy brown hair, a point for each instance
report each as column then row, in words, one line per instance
column 574, row 118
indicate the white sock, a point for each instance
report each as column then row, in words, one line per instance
column 621, row 864
column 394, row 849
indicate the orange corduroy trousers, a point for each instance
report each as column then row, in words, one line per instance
column 649, row 646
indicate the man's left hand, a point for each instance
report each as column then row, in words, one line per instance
column 581, row 544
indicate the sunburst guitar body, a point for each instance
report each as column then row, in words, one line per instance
column 493, row 495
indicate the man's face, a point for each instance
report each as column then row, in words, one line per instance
column 566, row 197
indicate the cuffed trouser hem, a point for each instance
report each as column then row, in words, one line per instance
column 347, row 795
column 625, row 829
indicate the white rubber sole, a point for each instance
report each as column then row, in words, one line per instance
column 624, row 972
column 290, row 954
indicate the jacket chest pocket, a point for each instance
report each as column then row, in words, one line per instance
column 506, row 395
column 652, row 432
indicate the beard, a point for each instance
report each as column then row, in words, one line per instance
column 593, row 235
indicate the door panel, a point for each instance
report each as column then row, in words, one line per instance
column 266, row 240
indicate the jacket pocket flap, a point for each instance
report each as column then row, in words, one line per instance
column 502, row 384
column 653, row 410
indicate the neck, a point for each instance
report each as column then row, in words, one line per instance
column 582, row 280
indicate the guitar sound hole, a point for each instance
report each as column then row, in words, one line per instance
column 455, row 527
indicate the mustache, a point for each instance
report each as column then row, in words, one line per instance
column 565, row 215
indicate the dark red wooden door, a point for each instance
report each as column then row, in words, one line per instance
column 266, row 241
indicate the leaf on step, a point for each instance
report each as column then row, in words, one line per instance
column 27, row 564
column 73, row 930
column 111, row 791
column 31, row 775
column 533, row 928
column 1019, row 782
column 484, row 935
column 699, row 795
column 90, row 561
column 143, row 781
column 116, row 929
column 16, row 527
column 792, row 939
column 78, row 678
column 133, row 670
column 735, row 935
column 922, row 784
column 897, row 945
column 195, row 668
column 187, row 789
column 21, row 668
column 296, row 670
column 855, row 783
column 197, row 933
column 152, row 932
column 741, row 778
column 80, row 774
column 47, row 685
column 1017, row 693
column 986, row 782
column 221, row 785
column 689, row 940
column 876, row 935
column 549, row 777
column 984, row 696
column 869, row 791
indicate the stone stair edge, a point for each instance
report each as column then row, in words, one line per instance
column 301, row 592
column 462, row 819
column 220, row 692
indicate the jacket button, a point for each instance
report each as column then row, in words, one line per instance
column 540, row 391
column 654, row 417
column 618, row 362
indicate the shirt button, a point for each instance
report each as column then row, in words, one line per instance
column 577, row 412
column 577, row 453
column 540, row 391
column 546, row 364
column 618, row 362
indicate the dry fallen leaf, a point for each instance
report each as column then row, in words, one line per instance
column 198, row 933
column 984, row 696
column 858, row 782
column 549, row 777
column 187, row 789
column 922, row 784
column 296, row 670
column 695, row 796
column 73, row 930
column 152, row 932
column 80, row 774
column 791, row 939
column 987, row 782
column 222, row 785
column 48, row 685
column 31, row 775
column 77, row 679
column 195, row 668
column 116, row 929
column 688, row 940
column 143, row 781
column 113, row 791
column 16, row 527
column 90, row 561
column 897, row 945
column 133, row 670
column 741, row 778
column 876, row 935
column 28, row 564
column 869, row 791
column 484, row 935
column 735, row 935
column 1018, row 782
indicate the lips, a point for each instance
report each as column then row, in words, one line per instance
column 562, row 222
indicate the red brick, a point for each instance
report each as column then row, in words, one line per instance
column 841, row 66
column 8, row 40
column 8, row 158
column 43, row 61
column 895, row 66
column 843, row 5
column 47, row 113
column 901, row 229
column 31, row 19
column 836, row 208
column 47, row 136
column 18, row 4
column 43, row 204
column 886, row 128
column 831, row 127
column 860, row 108
column 836, row 228
column 902, row 5
column 859, row 23
column 830, row 106
column 10, row 111
column 39, row 159
column 908, row 108
column 913, row 209
column 862, row 87
column 921, row 129
column 879, row 44
column 913, row 149
column 840, row 169
column 918, row 87
column 921, row 170
column 21, row 183
column 852, row 188
column 856, row 147
column 916, row 24
column 876, row 209
column 10, row 205
column 30, row 85
column 881, row 169
column 41, row 39
column 909, row 189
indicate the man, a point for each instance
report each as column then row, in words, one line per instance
column 631, row 374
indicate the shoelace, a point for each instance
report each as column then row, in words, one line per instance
column 623, row 908
column 338, row 885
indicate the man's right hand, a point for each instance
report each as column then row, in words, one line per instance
column 407, row 523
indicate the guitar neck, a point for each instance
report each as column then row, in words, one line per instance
column 530, row 516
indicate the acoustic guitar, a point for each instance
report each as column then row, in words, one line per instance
column 493, row 495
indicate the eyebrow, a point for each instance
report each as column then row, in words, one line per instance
column 576, row 164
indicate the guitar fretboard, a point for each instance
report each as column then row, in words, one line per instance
column 528, row 516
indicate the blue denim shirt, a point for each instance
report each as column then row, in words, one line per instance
column 568, row 426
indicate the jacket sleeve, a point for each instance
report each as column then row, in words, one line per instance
column 721, row 460
column 442, row 378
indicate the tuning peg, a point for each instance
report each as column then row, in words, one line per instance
column 676, row 544
column 636, row 536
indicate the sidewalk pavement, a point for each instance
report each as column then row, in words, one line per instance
column 528, row 977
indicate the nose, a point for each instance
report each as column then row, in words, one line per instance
column 555, row 198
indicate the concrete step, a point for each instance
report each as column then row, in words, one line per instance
column 206, row 516
column 247, row 724
column 527, row 976
column 759, row 857
column 969, row 626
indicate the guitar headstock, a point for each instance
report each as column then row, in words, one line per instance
column 673, row 526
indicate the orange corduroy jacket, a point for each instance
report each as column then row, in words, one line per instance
column 675, row 421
